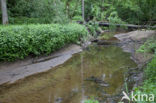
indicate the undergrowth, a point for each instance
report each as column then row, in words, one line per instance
column 149, row 46
column 91, row 101
column 19, row 41
column 149, row 85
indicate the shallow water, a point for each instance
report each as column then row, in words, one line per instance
column 70, row 82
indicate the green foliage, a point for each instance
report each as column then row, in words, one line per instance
column 114, row 19
column 149, row 46
column 48, row 11
column 130, row 11
column 107, row 35
column 60, row 11
column 149, row 86
column 150, row 71
column 20, row 7
column 24, row 20
column 93, row 27
column 91, row 101
column 77, row 18
column 19, row 41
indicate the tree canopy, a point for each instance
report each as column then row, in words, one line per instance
column 60, row 11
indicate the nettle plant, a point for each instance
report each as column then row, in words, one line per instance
column 17, row 42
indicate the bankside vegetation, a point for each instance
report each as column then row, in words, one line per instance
column 19, row 41
column 149, row 85
column 63, row 11
column 40, row 27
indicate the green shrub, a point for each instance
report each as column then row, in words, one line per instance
column 114, row 19
column 150, row 71
column 48, row 11
column 25, row 20
column 93, row 27
column 19, row 41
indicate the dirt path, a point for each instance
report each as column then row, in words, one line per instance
column 11, row 72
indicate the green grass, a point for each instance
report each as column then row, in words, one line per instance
column 149, row 85
column 19, row 41
column 149, row 46
column 91, row 101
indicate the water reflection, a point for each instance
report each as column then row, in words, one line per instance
column 69, row 83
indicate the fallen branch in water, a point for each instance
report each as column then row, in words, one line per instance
column 127, row 25
column 130, row 26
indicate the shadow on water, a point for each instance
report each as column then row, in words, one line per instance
column 95, row 72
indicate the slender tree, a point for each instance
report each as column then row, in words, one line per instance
column 83, row 11
column 4, row 12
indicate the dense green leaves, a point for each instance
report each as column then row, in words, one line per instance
column 150, row 71
column 47, row 11
column 17, row 42
column 148, row 46
column 60, row 11
column 149, row 85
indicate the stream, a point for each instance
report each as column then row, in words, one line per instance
column 97, row 72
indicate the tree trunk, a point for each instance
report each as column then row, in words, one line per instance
column 4, row 12
column 83, row 12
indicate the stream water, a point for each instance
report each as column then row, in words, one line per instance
column 96, row 72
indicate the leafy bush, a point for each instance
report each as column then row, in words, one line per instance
column 129, row 11
column 114, row 19
column 24, row 20
column 93, row 27
column 48, row 11
column 19, row 41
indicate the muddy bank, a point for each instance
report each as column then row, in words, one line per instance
column 130, row 42
column 11, row 72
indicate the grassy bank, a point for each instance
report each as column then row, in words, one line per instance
column 149, row 85
column 19, row 41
